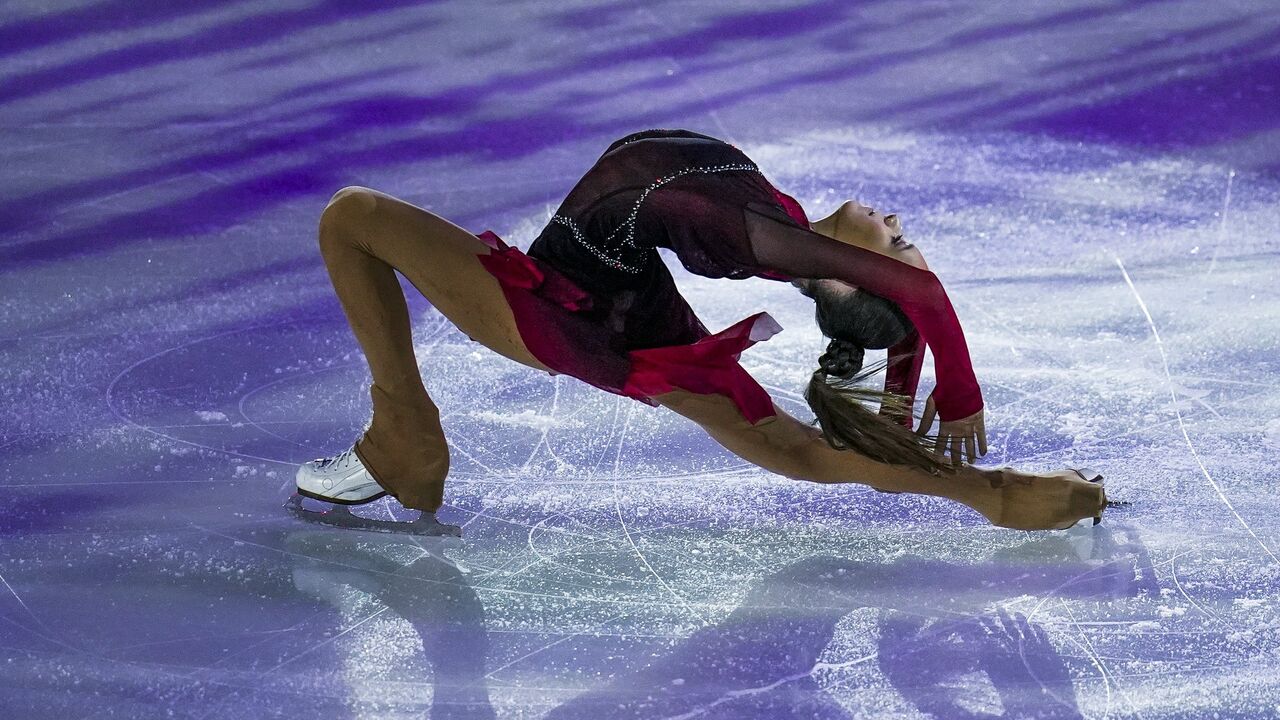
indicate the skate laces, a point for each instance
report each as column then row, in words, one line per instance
column 340, row 459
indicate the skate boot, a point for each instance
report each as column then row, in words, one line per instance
column 341, row 479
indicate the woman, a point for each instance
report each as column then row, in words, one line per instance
column 593, row 299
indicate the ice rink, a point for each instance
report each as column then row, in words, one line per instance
column 1096, row 184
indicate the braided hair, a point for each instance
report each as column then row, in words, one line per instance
column 856, row 320
column 842, row 358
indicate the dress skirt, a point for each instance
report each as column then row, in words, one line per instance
column 551, row 315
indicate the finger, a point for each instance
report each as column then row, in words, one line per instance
column 926, row 419
column 982, row 437
column 968, row 447
column 956, row 456
column 938, row 444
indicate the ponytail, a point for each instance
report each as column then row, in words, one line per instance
column 838, row 402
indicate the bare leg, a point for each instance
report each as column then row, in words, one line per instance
column 365, row 236
column 788, row 447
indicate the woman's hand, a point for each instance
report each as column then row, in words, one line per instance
column 971, row 431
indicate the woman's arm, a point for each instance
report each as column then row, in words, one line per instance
column 783, row 247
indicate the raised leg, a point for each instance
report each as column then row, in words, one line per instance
column 365, row 236
column 788, row 447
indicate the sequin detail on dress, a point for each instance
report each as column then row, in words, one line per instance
column 614, row 262
column 627, row 246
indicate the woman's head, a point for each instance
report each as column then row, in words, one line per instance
column 856, row 320
column 856, row 316
column 846, row 314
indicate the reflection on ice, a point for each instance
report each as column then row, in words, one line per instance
column 374, row 582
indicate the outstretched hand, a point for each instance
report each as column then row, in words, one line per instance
column 963, row 436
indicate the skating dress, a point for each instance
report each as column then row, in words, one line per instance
column 593, row 299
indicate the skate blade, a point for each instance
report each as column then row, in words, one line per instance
column 339, row 516
column 1094, row 476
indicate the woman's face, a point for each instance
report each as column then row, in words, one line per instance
column 865, row 227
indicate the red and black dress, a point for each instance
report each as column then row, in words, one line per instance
column 592, row 298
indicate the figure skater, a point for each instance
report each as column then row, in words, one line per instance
column 592, row 298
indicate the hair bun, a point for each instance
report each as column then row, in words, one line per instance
column 842, row 359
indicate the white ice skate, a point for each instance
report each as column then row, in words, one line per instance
column 341, row 479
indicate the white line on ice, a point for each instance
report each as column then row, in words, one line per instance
column 617, row 506
column 1173, row 397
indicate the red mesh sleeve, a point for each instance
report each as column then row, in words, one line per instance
column 782, row 246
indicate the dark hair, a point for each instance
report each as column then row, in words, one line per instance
column 855, row 320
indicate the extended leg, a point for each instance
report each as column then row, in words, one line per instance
column 788, row 447
column 365, row 236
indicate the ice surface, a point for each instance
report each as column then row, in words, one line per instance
column 1095, row 183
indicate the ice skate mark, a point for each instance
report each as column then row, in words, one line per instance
column 1195, row 394
column 617, row 506
column 551, row 560
column 542, row 435
column 253, row 423
column 645, row 561
column 397, row 575
column 48, row 633
column 622, row 438
column 1199, row 378
column 1085, row 643
column 436, row 334
column 1086, row 647
column 685, row 523
column 551, row 644
column 105, row 483
column 1182, row 425
column 777, row 358
column 1222, row 224
column 843, row 682
column 787, row 393
column 501, row 569
column 491, row 450
column 613, row 430
column 1016, row 422
column 130, row 422
column 546, row 430
column 1105, row 441
column 1173, row 572
column 327, row 641
column 654, row 479
column 171, row 426
column 1002, row 443
column 455, row 445
column 1217, row 620
column 822, row 665
column 731, row 695
column 978, row 308
column 607, row 540
column 1054, row 594
column 507, row 521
